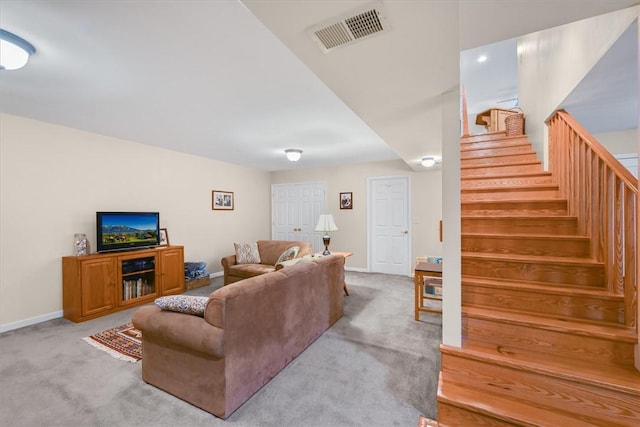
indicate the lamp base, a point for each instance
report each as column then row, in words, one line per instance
column 326, row 240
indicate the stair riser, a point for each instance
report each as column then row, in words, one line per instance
column 498, row 160
column 525, row 207
column 520, row 225
column 475, row 195
column 495, row 151
column 514, row 338
column 588, row 308
column 495, row 182
column 585, row 402
column 498, row 169
column 552, row 246
column 490, row 139
column 451, row 415
column 574, row 274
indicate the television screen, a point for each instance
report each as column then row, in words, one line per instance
column 127, row 230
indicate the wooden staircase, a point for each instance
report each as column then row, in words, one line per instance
column 546, row 342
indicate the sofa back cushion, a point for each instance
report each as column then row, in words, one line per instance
column 270, row 250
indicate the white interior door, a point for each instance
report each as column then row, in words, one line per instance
column 295, row 209
column 389, row 234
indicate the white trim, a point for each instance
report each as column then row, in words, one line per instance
column 218, row 274
column 30, row 321
column 357, row 269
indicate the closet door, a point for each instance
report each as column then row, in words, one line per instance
column 295, row 209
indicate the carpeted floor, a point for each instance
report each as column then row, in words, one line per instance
column 374, row 367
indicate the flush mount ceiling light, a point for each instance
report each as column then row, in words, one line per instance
column 293, row 154
column 428, row 162
column 482, row 58
column 14, row 51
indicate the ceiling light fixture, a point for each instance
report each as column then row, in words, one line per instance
column 428, row 162
column 293, row 154
column 482, row 58
column 14, row 51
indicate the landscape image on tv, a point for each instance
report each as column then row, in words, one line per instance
column 129, row 229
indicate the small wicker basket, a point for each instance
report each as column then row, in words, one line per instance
column 514, row 124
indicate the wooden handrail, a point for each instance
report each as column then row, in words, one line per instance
column 602, row 194
column 465, row 114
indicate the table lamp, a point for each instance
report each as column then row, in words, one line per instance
column 326, row 224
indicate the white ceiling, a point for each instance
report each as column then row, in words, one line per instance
column 242, row 82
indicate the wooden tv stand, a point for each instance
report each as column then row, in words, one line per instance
column 99, row 284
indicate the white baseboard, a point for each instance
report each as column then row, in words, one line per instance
column 218, row 274
column 357, row 269
column 30, row 321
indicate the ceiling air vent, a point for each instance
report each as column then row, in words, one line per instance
column 349, row 29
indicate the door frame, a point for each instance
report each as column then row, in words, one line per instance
column 370, row 239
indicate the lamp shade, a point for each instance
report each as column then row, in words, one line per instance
column 326, row 223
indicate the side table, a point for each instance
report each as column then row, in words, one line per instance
column 427, row 274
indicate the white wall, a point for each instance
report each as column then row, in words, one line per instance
column 621, row 142
column 53, row 180
column 551, row 63
column 426, row 195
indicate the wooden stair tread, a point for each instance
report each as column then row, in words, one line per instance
column 495, row 165
column 508, row 175
column 526, row 236
column 577, row 290
column 510, row 144
column 513, row 201
column 533, row 258
column 519, row 217
column 501, row 408
column 625, row 379
column 606, row 332
column 516, row 187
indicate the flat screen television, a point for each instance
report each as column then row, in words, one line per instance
column 118, row 231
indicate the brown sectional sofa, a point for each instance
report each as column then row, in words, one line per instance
column 270, row 251
column 250, row 331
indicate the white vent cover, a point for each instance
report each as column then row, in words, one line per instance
column 349, row 29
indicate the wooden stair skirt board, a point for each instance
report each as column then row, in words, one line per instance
column 527, row 244
column 533, row 390
column 519, row 224
column 579, row 303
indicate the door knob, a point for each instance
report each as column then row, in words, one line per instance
column 405, row 231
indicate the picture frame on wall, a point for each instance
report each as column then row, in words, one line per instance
column 164, row 237
column 346, row 200
column 222, row 200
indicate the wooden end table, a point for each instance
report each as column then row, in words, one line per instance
column 424, row 271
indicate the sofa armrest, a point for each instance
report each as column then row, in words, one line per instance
column 228, row 261
column 185, row 330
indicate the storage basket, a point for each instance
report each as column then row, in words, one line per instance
column 514, row 124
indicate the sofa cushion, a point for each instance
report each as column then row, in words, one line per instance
column 288, row 254
column 247, row 253
column 250, row 270
column 187, row 304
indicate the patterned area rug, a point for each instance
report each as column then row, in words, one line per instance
column 122, row 342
